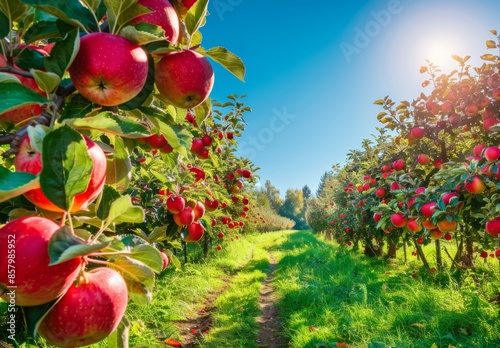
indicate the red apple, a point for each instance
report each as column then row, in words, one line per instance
column 423, row 159
column 417, row 133
column 399, row 220
column 475, row 186
column 109, row 69
column 420, row 240
column 490, row 122
column 428, row 224
column 207, row 140
column 246, row 173
column 198, row 210
column 380, row 192
column 436, row 234
column 198, row 172
column 163, row 15
column 493, row 227
column 478, row 149
column 447, row 225
column 428, row 209
column 36, row 281
column 188, row 3
column 448, row 196
column 448, row 237
column 166, row 260
column 377, row 217
column 399, row 165
column 245, row 201
column 197, row 146
column 185, row 78
column 471, row 110
column 89, row 312
column 414, row 226
column 176, row 204
column 185, row 217
column 492, row 153
column 220, row 235
column 195, row 232
column 211, row 205
column 29, row 160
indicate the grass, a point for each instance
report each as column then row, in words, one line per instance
column 327, row 296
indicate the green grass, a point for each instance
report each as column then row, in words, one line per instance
column 326, row 294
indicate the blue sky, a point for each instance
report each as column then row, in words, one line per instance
column 314, row 70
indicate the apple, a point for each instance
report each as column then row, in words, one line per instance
column 29, row 160
column 185, row 78
column 413, row 225
column 211, row 205
column 448, row 237
column 188, row 3
column 175, row 204
column 377, row 217
column 417, row 133
column 185, row 217
column 475, row 186
column 163, row 15
column 438, row 163
column 490, row 122
column 197, row 146
column 454, row 119
column 246, row 173
column 198, row 210
column 219, row 247
column 484, row 254
column 420, row 240
column 471, row 110
column 207, row 140
column 108, row 69
column 493, row 227
column 399, row 165
column 89, row 312
column 156, row 141
column 166, row 260
column 195, row 232
column 423, row 159
column 448, row 196
column 380, row 192
column 220, row 235
column 428, row 209
column 428, row 224
column 436, row 234
column 492, row 153
column 447, row 225
column 495, row 94
column 199, row 174
column 245, row 201
column 478, row 149
column 399, row 220
column 36, row 281
column 203, row 154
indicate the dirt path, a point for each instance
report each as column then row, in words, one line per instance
column 270, row 327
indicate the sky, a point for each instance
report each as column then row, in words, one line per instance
column 314, row 69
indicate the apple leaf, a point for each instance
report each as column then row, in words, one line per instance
column 228, row 60
column 119, row 167
column 158, row 234
column 72, row 12
column 109, row 195
column 120, row 12
column 64, row 245
column 92, row 4
column 202, row 111
column 195, row 17
column 78, row 107
column 139, row 278
column 143, row 33
column 15, row 94
column 44, row 27
column 4, row 25
column 66, row 166
column 108, row 122
column 15, row 184
column 148, row 255
column 489, row 57
column 6, row 77
column 27, row 59
column 146, row 90
column 36, row 135
column 122, row 210
column 47, row 81
column 33, row 316
column 13, row 10
column 63, row 53
column 119, row 337
column 156, row 117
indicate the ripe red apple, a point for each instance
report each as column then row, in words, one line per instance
column 423, row 159
column 188, row 3
column 207, row 140
column 109, row 69
column 478, row 149
column 428, row 209
column 399, row 165
column 428, row 224
column 438, row 163
column 163, row 15
column 199, row 174
column 471, row 110
column 165, row 259
column 447, row 225
column 484, row 254
column 417, row 133
column 198, row 210
column 197, row 146
column 245, row 201
column 211, row 205
column 377, row 217
column 490, row 122
column 436, row 234
column 420, row 240
column 176, row 204
column 29, row 160
column 399, row 220
column 195, row 232
column 89, row 312
column 448, row 196
column 36, row 281
column 185, row 78
column 246, row 173
column 414, row 226
column 220, row 235
column 475, row 186
column 380, row 192
column 493, row 227
column 448, row 237
column 185, row 217
column 157, row 141
column 492, row 153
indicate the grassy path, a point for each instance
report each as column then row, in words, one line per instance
column 293, row 289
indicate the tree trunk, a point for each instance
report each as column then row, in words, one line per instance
column 421, row 254
column 439, row 257
column 391, row 251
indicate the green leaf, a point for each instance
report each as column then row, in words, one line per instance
column 108, row 122
column 195, row 17
column 66, row 166
column 122, row 11
column 15, row 95
column 63, row 53
column 34, row 315
column 6, row 77
column 92, row 4
column 13, row 10
column 202, row 111
column 109, row 195
column 122, row 210
column 64, row 246
column 158, row 234
column 4, row 25
column 148, row 255
column 15, row 184
column 27, row 59
column 139, row 278
column 119, row 167
column 228, row 60
column 71, row 12
column 47, row 81
column 78, row 107
column 143, row 33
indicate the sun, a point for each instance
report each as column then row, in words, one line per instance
column 439, row 53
